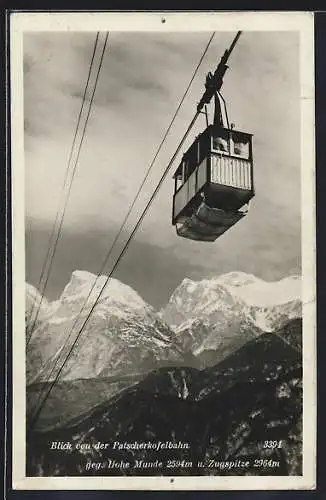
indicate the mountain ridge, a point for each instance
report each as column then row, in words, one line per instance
column 206, row 314
column 126, row 338
column 225, row 412
column 123, row 335
column 203, row 322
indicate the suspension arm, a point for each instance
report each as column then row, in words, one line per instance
column 214, row 81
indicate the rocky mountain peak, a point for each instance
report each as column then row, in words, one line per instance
column 123, row 335
column 113, row 291
column 214, row 316
column 196, row 299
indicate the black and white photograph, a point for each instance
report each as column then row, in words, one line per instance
column 163, row 251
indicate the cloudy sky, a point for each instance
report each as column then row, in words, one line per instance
column 142, row 80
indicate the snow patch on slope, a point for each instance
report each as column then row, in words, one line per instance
column 220, row 314
column 123, row 335
column 248, row 295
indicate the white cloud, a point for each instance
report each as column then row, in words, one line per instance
column 142, row 80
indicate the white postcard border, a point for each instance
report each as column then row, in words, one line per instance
column 189, row 21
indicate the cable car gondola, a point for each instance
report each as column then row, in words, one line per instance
column 214, row 181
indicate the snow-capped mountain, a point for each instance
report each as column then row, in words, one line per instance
column 124, row 336
column 215, row 316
